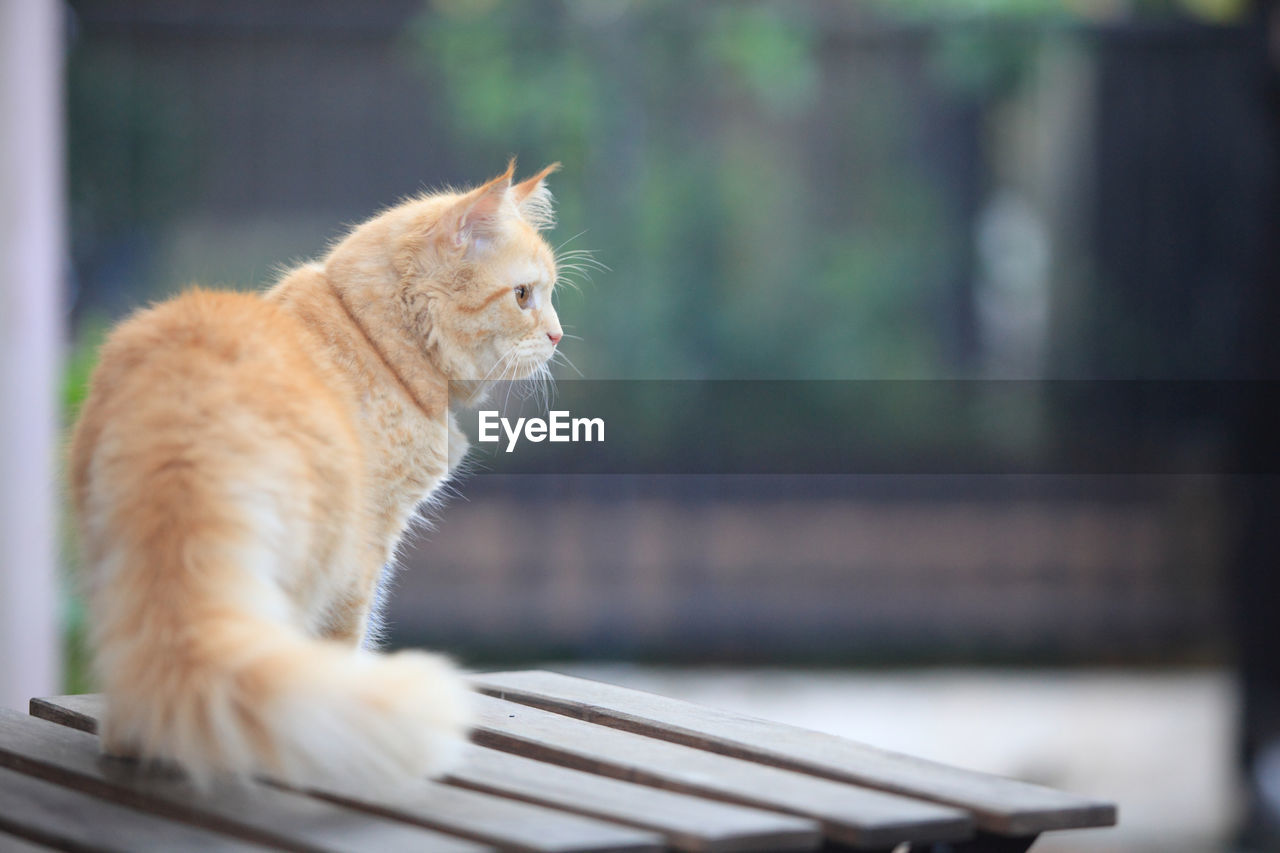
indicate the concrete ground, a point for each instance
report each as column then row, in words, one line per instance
column 1158, row 744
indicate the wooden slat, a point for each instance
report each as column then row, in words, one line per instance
column 1000, row 805
column 500, row 821
column 848, row 814
column 687, row 823
column 254, row 812
column 76, row 712
column 508, row 823
column 13, row 844
column 71, row 820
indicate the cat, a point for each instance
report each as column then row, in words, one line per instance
column 245, row 464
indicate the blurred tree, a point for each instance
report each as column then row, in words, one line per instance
column 756, row 223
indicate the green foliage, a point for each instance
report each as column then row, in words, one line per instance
column 1212, row 10
column 770, row 51
column 79, row 364
column 77, row 367
column 685, row 133
column 76, row 667
column 932, row 9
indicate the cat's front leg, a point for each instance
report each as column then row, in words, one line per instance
column 353, row 615
column 348, row 623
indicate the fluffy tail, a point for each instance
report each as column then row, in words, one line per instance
column 247, row 697
column 219, row 688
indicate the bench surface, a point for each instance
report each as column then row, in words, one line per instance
column 557, row 764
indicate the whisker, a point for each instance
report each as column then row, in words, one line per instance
column 549, row 386
column 572, row 276
column 510, row 351
column 581, row 265
column 584, row 259
column 570, row 240
column 561, row 355
column 575, row 266
column 581, row 262
column 567, row 282
column 513, row 384
column 535, row 388
column 574, row 253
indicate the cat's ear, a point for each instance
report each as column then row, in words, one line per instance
column 533, row 199
column 477, row 217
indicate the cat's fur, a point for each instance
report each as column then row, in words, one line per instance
column 245, row 465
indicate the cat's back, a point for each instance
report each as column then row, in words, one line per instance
column 203, row 350
column 208, row 370
column 205, row 334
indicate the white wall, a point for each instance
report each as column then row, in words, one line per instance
column 31, row 265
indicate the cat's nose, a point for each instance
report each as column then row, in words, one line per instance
column 555, row 337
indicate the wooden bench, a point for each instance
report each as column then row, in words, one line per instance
column 559, row 764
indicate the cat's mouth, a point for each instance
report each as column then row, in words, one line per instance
column 514, row 367
column 531, row 366
column 528, row 361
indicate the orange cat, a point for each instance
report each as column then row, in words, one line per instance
column 245, row 465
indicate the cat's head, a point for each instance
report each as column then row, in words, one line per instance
column 477, row 272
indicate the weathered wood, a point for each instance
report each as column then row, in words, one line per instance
column 848, row 813
column 983, row 842
column 499, row 821
column 1000, row 805
column 251, row 811
column 14, row 844
column 71, row 820
column 75, row 711
column 510, row 824
column 988, row 843
column 687, row 823
column 635, row 745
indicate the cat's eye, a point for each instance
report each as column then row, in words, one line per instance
column 524, row 294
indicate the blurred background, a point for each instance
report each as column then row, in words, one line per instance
column 904, row 190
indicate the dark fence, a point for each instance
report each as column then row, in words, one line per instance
column 834, row 569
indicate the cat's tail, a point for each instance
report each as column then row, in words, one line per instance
column 233, row 693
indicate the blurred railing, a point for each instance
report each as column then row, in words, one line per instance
column 821, row 569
